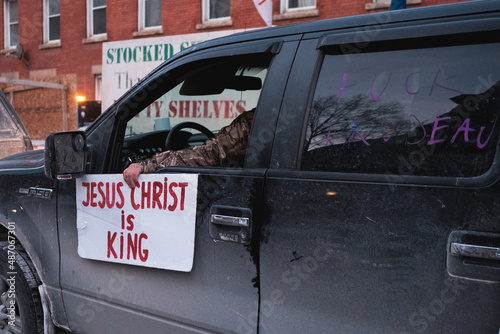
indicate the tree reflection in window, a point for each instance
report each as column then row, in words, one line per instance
column 358, row 118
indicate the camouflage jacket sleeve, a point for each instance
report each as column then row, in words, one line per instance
column 227, row 148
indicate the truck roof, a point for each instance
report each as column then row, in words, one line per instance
column 436, row 13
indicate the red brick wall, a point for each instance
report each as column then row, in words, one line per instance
column 180, row 17
column 341, row 8
column 72, row 57
column 121, row 19
column 75, row 57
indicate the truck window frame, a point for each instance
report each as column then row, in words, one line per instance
column 477, row 31
column 138, row 97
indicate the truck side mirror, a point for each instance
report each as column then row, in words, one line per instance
column 65, row 155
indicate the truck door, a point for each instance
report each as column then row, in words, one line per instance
column 218, row 292
column 382, row 210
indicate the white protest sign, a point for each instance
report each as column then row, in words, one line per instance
column 152, row 225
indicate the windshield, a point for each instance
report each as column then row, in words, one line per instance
column 13, row 135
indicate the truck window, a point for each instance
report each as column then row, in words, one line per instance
column 210, row 93
column 430, row 111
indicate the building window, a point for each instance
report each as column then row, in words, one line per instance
column 149, row 14
column 216, row 9
column 96, row 17
column 291, row 5
column 51, row 21
column 98, row 87
column 11, row 28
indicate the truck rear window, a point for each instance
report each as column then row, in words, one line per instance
column 431, row 112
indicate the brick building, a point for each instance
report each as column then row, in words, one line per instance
column 62, row 41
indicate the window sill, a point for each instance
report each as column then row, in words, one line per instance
column 215, row 24
column 148, row 32
column 8, row 50
column 95, row 39
column 296, row 14
column 387, row 3
column 50, row 45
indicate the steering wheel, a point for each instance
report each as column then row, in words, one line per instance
column 169, row 145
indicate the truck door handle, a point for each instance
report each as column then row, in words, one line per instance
column 231, row 224
column 480, row 252
column 474, row 255
column 229, row 220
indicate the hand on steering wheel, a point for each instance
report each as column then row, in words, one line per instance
column 169, row 145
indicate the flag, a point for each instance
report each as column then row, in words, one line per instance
column 265, row 8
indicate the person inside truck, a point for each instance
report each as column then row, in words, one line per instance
column 227, row 148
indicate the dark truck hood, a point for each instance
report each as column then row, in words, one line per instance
column 13, row 135
column 26, row 160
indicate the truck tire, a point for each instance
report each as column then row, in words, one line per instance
column 20, row 304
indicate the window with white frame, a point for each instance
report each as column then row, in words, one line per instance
column 291, row 5
column 96, row 17
column 216, row 9
column 51, row 21
column 11, row 24
column 149, row 14
column 98, row 87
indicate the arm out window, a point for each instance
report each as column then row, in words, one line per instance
column 211, row 93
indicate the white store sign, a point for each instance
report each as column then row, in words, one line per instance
column 124, row 63
column 152, row 225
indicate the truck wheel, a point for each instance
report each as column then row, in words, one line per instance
column 20, row 304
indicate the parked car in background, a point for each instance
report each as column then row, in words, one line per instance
column 367, row 200
column 13, row 136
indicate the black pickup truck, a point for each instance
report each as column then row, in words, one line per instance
column 368, row 200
